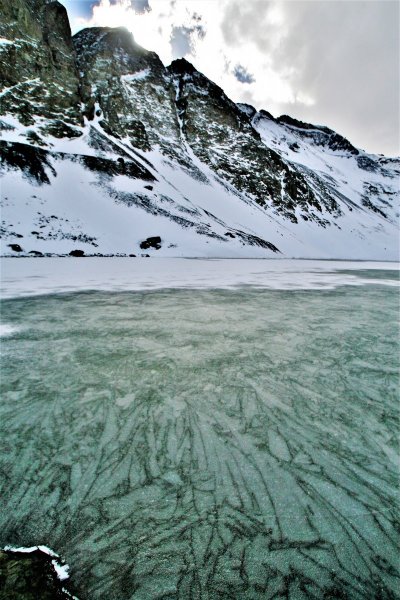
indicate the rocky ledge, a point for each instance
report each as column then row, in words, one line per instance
column 30, row 574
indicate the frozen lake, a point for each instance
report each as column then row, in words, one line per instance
column 203, row 429
column 22, row 276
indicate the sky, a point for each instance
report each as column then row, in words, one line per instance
column 330, row 62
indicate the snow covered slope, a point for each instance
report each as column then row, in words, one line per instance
column 106, row 151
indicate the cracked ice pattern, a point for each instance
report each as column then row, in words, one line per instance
column 205, row 444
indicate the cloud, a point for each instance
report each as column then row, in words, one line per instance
column 183, row 39
column 140, row 6
column 340, row 60
column 243, row 75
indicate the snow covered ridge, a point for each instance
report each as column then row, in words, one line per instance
column 111, row 153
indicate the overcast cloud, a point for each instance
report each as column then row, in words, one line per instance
column 333, row 62
column 183, row 39
column 140, row 6
column 243, row 75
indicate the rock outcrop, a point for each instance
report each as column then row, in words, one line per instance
column 29, row 576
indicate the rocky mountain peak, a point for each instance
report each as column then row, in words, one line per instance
column 117, row 46
column 124, row 80
column 106, row 39
column 181, row 66
column 320, row 134
column 37, row 65
column 175, row 142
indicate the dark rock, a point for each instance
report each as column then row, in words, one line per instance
column 130, row 168
column 287, row 120
column 132, row 255
column 34, row 138
column 368, row 204
column 229, row 234
column 36, row 253
column 77, row 253
column 105, row 56
column 31, row 161
column 295, row 147
column 148, row 187
column 266, row 115
column 182, row 66
column 254, row 240
column 367, row 164
column 43, row 57
column 15, row 247
column 29, row 576
column 151, row 242
column 338, row 142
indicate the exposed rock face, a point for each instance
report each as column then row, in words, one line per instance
column 233, row 148
column 214, row 166
column 29, row 577
column 130, row 89
column 37, row 65
column 320, row 134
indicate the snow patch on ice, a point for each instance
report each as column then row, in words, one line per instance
column 61, row 275
column 6, row 329
column 61, row 570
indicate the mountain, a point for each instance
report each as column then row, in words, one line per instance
column 107, row 151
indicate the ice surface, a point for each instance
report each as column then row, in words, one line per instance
column 205, row 443
column 32, row 276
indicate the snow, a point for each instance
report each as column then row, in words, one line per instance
column 139, row 75
column 339, row 168
column 90, row 208
column 44, row 549
column 26, row 82
column 61, row 570
column 119, row 228
column 6, row 330
column 38, row 276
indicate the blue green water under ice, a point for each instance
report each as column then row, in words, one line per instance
column 201, row 444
